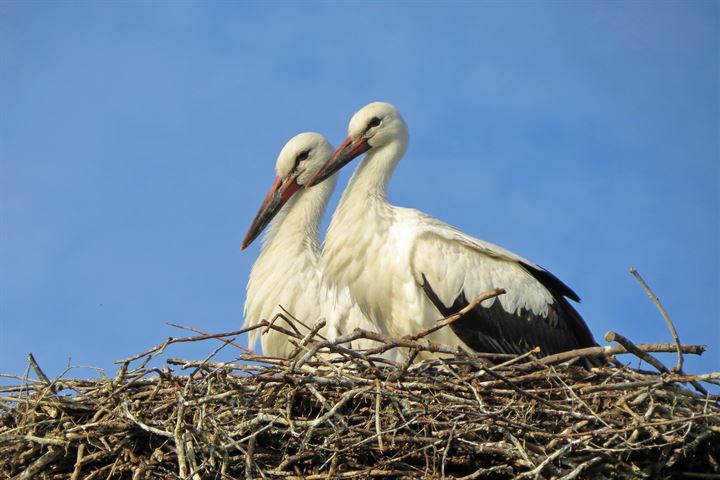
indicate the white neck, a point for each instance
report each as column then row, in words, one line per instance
column 370, row 180
column 362, row 216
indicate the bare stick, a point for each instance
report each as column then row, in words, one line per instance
column 378, row 425
column 38, row 371
column 656, row 301
column 630, row 347
column 619, row 349
column 78, row 462
column 36, row 467
column 178, row 436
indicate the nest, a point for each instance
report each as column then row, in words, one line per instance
column 334, row 412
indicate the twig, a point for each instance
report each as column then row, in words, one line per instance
column 619, row 349
column 197, row 338
column 581, row 468
column 196, row 330
column 630, row 347
column 38, row 371
column 145, row 427
column 307, row 337
column 445, row 451
column 178, row 436
column 561, row 451
column 249, row 457
column 43, row 440
column 378, row 424
column 656, row 301
column 36, row 467
column 295, row 319
column 78, row 462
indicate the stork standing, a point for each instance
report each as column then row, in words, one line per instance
column 287, row 273
column 405, row 269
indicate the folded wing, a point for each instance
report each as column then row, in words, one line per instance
column 453, row 269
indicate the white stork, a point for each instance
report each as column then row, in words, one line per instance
column 287, row 272
column 406, row 270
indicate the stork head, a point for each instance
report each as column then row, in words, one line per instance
column 372, row 127
column 299, row 161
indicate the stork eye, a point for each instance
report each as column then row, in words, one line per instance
column 374, row 122
column 302, row 156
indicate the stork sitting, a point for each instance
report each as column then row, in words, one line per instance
column 405, row 269
column 287, row 273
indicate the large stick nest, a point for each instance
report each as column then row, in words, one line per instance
column 333, row 412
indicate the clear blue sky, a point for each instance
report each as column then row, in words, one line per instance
column 137, row 141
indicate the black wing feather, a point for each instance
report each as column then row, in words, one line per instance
column 568, row 314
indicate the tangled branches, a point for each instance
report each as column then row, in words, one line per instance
column 334, row 412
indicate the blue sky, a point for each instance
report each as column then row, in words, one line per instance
column 138, row 139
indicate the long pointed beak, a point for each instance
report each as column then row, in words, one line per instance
column 279, row 194
column 342, row 156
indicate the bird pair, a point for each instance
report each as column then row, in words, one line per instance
column 387, row 268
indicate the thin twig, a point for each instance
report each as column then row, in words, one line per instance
column 656, row 301
column 378, row 424
column 196, row 330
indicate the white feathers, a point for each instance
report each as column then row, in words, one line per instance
column 287, row 272
column 389, row 268
column 460, row 265
column 385, row 254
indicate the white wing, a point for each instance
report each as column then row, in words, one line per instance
column 454, row 268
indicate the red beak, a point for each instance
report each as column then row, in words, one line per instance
column 280, row 192
column 342, row 156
